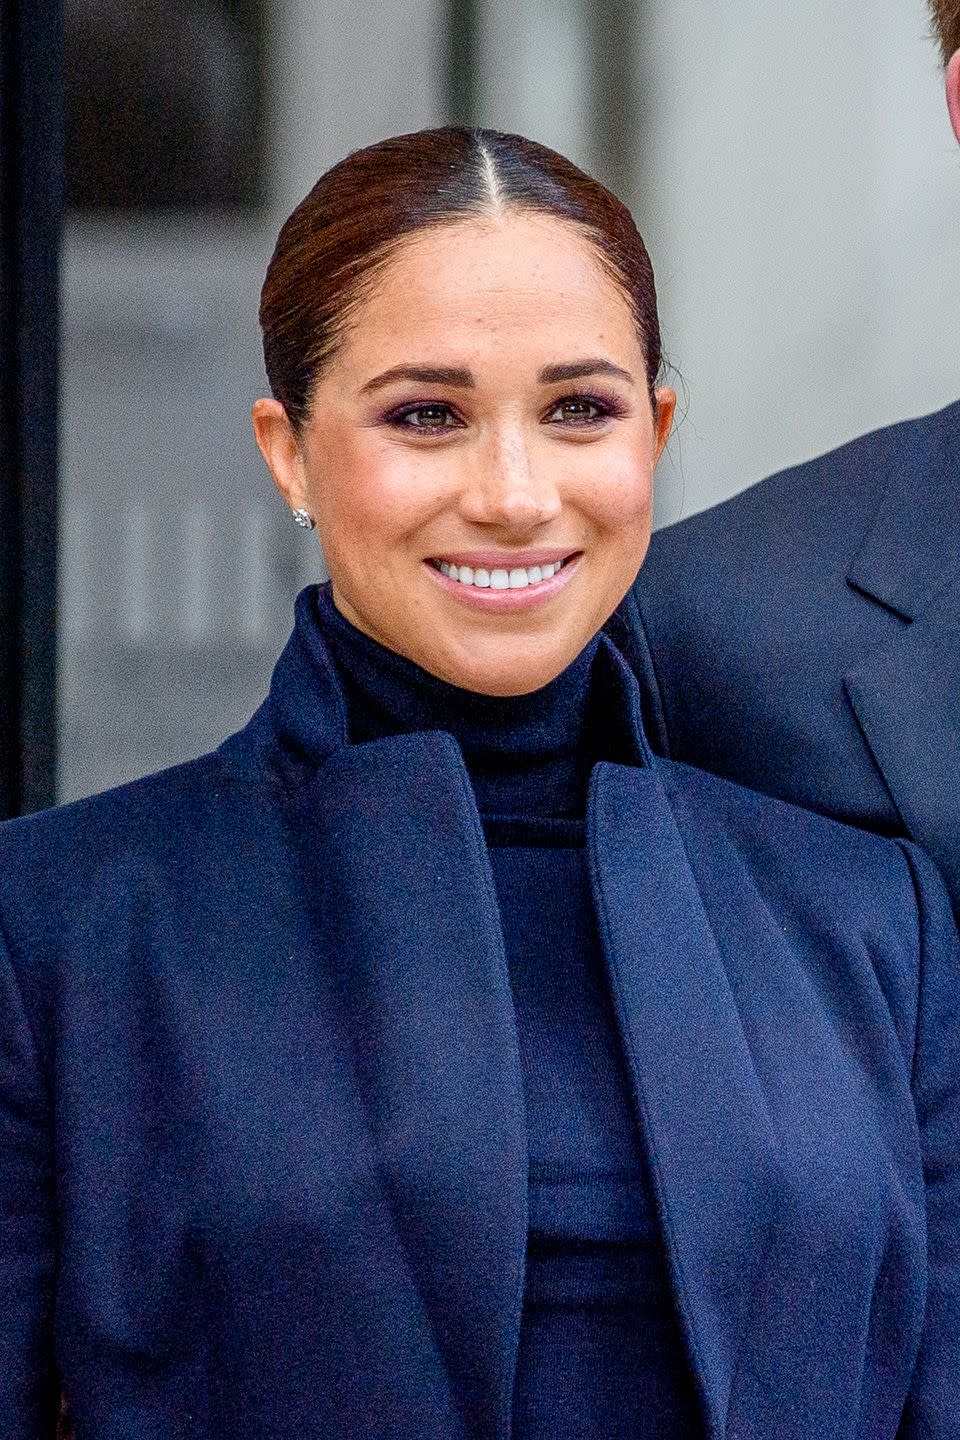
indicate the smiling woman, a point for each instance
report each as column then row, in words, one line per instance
column 493, row 437
column 431, row 1059
column 480, row 400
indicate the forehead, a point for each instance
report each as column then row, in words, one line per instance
column 502, row 284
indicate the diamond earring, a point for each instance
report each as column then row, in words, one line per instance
column 304, row 519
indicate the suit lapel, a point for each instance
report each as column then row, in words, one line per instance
column 702, row 1109
column 907, row 696
column 408, row 929
column 910, row 551
column 907, row 701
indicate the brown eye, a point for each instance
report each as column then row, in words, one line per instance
column 577, row 410
column 426, row 417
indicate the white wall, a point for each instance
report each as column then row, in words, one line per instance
column 345, row 74
column 799, row 188
column 533, row 73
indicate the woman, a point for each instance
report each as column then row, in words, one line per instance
column 430, row 1060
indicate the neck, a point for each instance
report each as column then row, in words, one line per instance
column 526, row 754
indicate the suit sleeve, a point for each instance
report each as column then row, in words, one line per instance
column 28, row 1392
column 933, row 1407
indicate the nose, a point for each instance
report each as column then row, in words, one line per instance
column 505, row 489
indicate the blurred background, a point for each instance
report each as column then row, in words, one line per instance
column 791, row 168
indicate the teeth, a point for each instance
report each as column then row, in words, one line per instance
column 516, row 579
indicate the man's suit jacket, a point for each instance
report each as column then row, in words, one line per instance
column 803, row 638
column 262, row 1137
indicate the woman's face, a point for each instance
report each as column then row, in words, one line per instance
column 479, row 453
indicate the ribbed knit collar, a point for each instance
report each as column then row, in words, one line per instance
column 527, row 755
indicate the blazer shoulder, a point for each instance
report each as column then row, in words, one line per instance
column 137, row 802
column 827, row 502
column 811, row 852
column 49, row 860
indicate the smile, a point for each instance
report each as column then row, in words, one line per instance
column 517, row 578
column 476, row 580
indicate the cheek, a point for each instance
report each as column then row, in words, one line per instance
column 373, row 492
column 620, row 497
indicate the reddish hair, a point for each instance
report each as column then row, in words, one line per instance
column 946, row 15
column 340, row 236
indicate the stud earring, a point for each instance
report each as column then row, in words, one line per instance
column 304, row 519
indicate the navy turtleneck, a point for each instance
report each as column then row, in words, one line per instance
column 526, row 754
column 601, row 1353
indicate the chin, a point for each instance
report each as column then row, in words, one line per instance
column 504, row 675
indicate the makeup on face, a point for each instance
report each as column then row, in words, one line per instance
column 480, row 450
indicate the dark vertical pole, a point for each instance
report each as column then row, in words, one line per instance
column 31, row 150
column 617, row 120
column 462, row 22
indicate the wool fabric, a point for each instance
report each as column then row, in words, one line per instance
column 601, row 1353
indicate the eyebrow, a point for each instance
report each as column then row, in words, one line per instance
column 463, row 380
column 579, row 369
column 424, row 375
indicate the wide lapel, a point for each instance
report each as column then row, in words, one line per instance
column 705, row 1124
column 407, row 925
column 907, row 696
column 910, row 550
column 907, row 701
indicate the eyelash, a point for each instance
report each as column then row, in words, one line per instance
column 606, row 406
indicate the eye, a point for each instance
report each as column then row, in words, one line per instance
column 581, row 410
column 426, row 418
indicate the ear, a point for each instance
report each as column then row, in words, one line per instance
column 663, row 418
column 280, row 448
column 953, row 92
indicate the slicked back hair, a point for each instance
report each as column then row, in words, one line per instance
column 332, row 248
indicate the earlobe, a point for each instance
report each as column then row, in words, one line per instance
column 953, row 92
column 280, row 448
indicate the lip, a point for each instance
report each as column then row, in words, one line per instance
column 505, row 559
column 506, row 601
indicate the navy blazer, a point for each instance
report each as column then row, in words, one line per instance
column 805, row 636
column 262, row 1137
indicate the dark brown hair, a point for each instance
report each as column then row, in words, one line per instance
column 946, row 15
column 331, row 249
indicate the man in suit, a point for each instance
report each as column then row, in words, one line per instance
column 803, row 638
